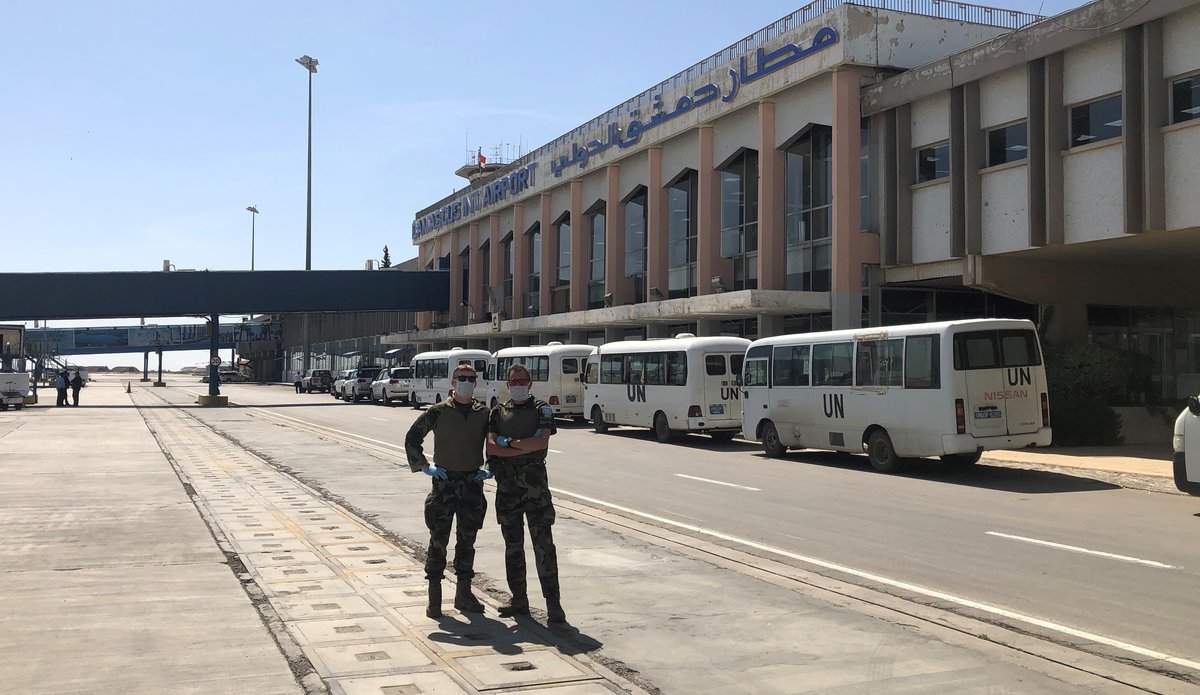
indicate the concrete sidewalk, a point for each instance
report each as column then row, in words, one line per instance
column 1136, row 459
column 146, row 554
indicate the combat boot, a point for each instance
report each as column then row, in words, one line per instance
column 464, row 600
column 434, row 609
column 517, row 605
column 554, row 611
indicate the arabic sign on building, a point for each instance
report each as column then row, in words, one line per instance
column 749, row 68
column 765, row 63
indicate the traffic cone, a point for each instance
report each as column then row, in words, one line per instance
column 127, row 388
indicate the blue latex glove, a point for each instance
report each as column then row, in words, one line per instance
column 483, row 474
column 537, row 433
column 501, row 440
column 435, row 472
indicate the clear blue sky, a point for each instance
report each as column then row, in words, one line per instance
column 133, row 132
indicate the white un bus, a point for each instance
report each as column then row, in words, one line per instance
column 555, row 369
column 432, row 370
column 950, row 389
column 673, row 386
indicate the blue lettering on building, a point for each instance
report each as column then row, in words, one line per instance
column 765, row 63
column 476, row 200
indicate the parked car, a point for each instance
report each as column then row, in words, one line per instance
column 357, row 384
column 391, row 384
column 231, row 377
column 1186, row 442
column 317, row 380
column 336, row 389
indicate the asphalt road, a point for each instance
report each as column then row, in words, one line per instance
column 1071, row 558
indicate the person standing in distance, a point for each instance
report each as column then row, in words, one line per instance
column 76, row 384
column 60, row 384
column 519, row 432
column 459, row 426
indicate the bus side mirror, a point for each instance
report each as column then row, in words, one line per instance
column 1194, row 405
column 737, row 380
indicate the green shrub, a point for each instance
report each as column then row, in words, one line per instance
column 1084, row 382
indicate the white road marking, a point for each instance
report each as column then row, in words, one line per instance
column 554, row 451
column 378, row 418
column 717, row 482
column 313, row 424
column 905, row 586
column 1077, row 549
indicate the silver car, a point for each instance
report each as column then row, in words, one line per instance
column 357, row 384
column 391, row 385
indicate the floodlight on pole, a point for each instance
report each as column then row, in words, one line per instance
column 253, row 210
column 310, row 64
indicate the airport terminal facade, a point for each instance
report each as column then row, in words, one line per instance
column 854, row 166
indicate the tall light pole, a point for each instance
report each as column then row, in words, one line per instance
column 253, row 210
column 308, row 63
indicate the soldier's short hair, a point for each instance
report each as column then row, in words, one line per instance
column 519, row 367
column 463, row 367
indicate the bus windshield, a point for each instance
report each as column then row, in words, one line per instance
column 995, row 349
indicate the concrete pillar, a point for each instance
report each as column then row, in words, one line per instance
column 772, row 172
column 1036, row 154
column 974, row 159
column 656, row 226
column 457, row 312
column 475, row 263
column 1133, row 127
column 579, row 249
column 521, row 243
column 958, row 225
column 495, row 262
column 769, row 325
column 846, row 297
column 549, row 267
column 614, row 240
column 905, row 169
column 709, row 263
column 1055, row 138
column 1154, row 117
column 707, row 327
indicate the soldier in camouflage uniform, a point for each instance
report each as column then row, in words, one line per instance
column 518, row 435
column 459, row 426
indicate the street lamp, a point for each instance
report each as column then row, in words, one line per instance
column 308, row 63
column 253, row 210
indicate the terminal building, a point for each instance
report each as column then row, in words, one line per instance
column 853, row 165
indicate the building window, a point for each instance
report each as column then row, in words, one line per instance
column 508, row 274
column 596, row 261
column 739, row 219
column 1096, row 121
column 465, row 264
column 1185, row 99
column 681, row 238
column 808, row 199
column 533, row 296
column 933, row 162
column 635, row 244
column 564, row 254
column 1008, row 144
column 485, row 274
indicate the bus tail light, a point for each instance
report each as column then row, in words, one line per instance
column 553, row 400
column 1045, row 410
column 694, row 411
column 960, row 415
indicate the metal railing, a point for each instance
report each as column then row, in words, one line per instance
column 940, row 9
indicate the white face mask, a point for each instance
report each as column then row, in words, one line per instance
column 519, row 393
column 464, row 389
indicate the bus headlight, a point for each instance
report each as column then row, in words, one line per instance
column 1177, row 443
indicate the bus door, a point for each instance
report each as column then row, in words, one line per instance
column 591, row 379
column 755, row 393
column 570, row 381
column 1003, row 396
column 722, row 397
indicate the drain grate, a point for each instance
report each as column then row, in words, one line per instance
column 519, row 666
column 373, row 656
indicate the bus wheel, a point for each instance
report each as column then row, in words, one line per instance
column 662, row 431
column 883, row 457
column 722, row 436
column 598, row 422
column 772, row 447
column 962, row 460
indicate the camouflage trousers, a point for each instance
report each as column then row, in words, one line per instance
column 461, row 496
column 523, row 492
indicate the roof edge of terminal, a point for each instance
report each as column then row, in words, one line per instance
column 938, row 9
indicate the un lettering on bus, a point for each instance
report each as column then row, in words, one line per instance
column 730, row 393
column 835, row 407
column 1020, row 376
column 636, row 393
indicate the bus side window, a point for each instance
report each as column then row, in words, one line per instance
column 922, row 368
column 570, row 365
column 593, row 373
column 833, row 364
column 677, row 368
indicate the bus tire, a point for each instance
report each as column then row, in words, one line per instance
column 962, row 460
column 662, row 431
column 598, row 422
column 881, row 453
column 772, row 447
column 722, row 436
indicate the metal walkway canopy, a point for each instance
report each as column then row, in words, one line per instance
column 27, row 296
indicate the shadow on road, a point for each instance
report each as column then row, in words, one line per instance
column 690, row 441
column 468, row 630
column 981, row 475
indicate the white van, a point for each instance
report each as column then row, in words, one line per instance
column 1187, row 438
column 951, row 389
column 432, row 370
column 673, row 386
column 556, row 370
